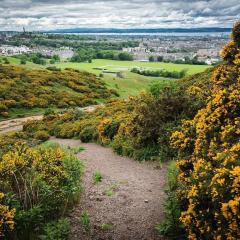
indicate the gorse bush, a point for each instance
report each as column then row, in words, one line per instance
column 131, row 126
column 6, row 216
column 22, row 88
column 209, row 156
column 37, row 184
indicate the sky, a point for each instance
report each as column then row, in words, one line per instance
column 64, row 14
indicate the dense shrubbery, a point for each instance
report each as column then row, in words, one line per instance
column 209, row 156
column 131, row 127
column 22, row 88
column 37, row 185
column 160, row 73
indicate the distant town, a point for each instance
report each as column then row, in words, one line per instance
column 196, row 49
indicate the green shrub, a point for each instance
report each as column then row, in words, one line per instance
column 88, row 134
column 41, row 135
column 46, row 182
column 85, row 221
column 56, row 230
column 97, row 177
column 171, row 226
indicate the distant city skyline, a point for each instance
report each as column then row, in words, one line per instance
column 63, row 14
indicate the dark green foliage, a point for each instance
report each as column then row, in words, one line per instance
column 42, row 135
column 124, row 56
column 88, row 134
column 160, row 73
column 111, row 130
column 171, row 226
column 151, row 59
column 56, row 230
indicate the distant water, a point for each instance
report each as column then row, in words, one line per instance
column 183, row 34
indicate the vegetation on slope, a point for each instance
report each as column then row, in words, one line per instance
column 29, row 89
column 196, row 121
column 38, row 184
column 131, row 126
column 209, row 156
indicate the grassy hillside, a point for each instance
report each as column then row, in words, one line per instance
column 22, row 89
column 129, row 84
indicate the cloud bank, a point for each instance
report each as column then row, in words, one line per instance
column 58, row 14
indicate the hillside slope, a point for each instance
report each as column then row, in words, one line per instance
column 29, row 89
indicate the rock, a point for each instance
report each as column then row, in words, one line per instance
column 146, row 201
column 99, row 199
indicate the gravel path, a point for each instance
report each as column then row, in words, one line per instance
column 128, row 200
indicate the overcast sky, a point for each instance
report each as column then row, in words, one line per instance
column 57, row 14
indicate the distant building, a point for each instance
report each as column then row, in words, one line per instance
column 14, row 50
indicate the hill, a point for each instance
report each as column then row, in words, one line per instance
column 22, row 89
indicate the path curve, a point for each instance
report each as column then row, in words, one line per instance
column 130, row 197
column 17, row 123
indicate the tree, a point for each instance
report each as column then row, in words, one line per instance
column 160, row 58
column 23, row 61
column 124, row 56
column 151, row 59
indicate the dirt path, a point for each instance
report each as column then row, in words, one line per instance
column 17, row 123
column 129, row 199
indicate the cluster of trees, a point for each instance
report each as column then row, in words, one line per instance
column 160, row 73
column 67, row 40
column 22, row 88
column 37, row 58
column 84, row 55
column 4, row 60
column 187, row 60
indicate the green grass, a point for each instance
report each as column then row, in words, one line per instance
column 107, row 226
column 23, row 112
column 131, row 84
column 85, row 221
column 113, row 65
column 97, row 177
column 16, row 61
column 111, row 190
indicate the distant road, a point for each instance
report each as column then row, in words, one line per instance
column 17, row 123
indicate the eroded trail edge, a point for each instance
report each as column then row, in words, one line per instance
column 128, row 200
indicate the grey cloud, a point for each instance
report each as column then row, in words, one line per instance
column 49, row 14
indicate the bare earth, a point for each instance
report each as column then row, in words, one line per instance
column 17, row 123
column 129, row 198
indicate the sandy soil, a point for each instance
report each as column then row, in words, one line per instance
column 17, row 123
column 129, row 198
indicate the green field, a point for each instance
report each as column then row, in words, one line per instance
column 130, row 83
column 113, row 65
